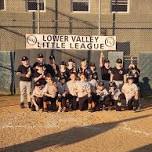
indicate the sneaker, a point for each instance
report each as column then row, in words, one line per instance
column 64, row 109
column 22, row 105
column 60, row 110
column 29, row 104
column 91, row 110
column 44, row 110
column 136, row 109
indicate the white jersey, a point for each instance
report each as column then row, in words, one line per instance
column 72, row 87
column 101, row 92
column 115, row 93
column 129, row 90
column 83, row 88
column 93, row 83
column 38, row 92
column 50, row 89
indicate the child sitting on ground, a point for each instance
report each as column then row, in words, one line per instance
column 62, row 95
column 115, row 96
column 50, row 93
column 130, row 90
column 37, row 97
column 102, row 96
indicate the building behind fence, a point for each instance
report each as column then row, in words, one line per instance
column 129, row 20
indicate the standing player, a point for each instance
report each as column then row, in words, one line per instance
column 71, row 66
column 118, row 74
column 84, row 69
column 63, row 71
column 93, row 72
column 106, row 72
column 39, row 74
column 40, row 60
column 25, row 73
column 135, row 72
column 52, row 67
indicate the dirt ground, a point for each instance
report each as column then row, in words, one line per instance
column 106, row 131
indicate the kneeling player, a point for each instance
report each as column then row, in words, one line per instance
column 115, row 96
column 84, row 93
column 62, row 93
column 37, row 97
column 102, row 96
column 131, row 93
column 72, row 92
column 50, row 93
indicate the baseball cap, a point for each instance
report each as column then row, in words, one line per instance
column 24, row 58
column 37, row 83
column 101, row 83
column 40, row 55
column 51, row 57
column 92, row 64
column 119, row 60
column 130, row 77
column 62, row 78
column 70, row 60
column 106, row 61
column 62, row 63
column 112, row 84
column 40, row 65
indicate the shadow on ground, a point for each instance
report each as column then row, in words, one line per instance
column 146, row 148
column 67, row 137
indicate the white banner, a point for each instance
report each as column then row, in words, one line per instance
column 73, row 42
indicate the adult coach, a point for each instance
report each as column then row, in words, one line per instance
column 118, row 74
column 25, row 73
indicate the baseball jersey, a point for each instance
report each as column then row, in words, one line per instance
column 50, row 89
column 129, row 90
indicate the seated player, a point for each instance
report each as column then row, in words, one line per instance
column 131, row 93
column 84, row 93
column 115, row 96
column 37, row 97
column 103, row 98
column 50, row 93
column 93, row 84
column 72, row 92
column 62, row 95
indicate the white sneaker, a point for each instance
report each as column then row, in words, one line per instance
column 60, row 110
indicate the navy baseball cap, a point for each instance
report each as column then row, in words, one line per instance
column 37, row 83
column 40, row 55
column 51, row 57
column 92, row 64
column 101, row 83
column 130, row 77
column 24, row 58
column 119, row 60
column 62, row 63
column 106, row 61
column 112, row 84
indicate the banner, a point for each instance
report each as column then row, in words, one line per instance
column 72, row 42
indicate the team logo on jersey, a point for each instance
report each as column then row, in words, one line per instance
column 120, row 72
